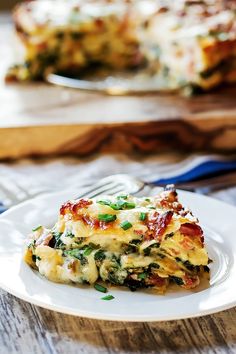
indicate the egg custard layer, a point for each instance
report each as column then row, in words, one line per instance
column 122, row 240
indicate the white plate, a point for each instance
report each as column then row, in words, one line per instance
column 218, row 220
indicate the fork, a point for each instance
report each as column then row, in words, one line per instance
column 14, row 193
column 118, row 183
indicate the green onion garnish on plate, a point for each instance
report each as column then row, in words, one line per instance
column 100, row 288
column 108, row 297
column 37, row 228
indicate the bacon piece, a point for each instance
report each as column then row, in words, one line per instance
column 192, row 230
column 158, row 224
column 90, row 221
column 155, row 280
column 170, row 193
column 139, row 232
column 168, row 199
column 73, row 207
column 99, row 23
column 42, row 46
column 105, row 225
column 190, row 282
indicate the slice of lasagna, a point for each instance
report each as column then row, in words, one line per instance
column 122, row 240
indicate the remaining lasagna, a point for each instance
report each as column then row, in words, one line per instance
column 70, row 36
column 184, row 42
column 122, row 240
column 195, row 42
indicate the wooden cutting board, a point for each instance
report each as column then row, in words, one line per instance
column 40, row 120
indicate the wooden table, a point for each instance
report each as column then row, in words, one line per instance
column 25, row 328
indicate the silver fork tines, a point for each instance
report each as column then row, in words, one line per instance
column 113, row 185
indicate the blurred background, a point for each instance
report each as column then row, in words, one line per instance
column 7, row 4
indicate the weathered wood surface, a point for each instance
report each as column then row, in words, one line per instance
column 40, row 119
column 27, row 329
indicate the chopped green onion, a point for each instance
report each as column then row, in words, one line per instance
column 104, row 202
column 125, row 225
column 37, row 228
column 147, row 200
column 152, row 207
column 142, row 276
column 115, row 206
column 100, row 288
column 88, row 251
column 142, row 216
column 125, row 196
column 129, row 205
column 108, row 297
column 120, row 204
column 106, row 217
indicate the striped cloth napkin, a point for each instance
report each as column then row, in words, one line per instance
column 48, row 175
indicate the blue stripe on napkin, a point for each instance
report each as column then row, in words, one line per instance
column 2, row 208
column 201, row 170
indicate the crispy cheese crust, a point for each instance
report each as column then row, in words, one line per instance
column 123, row 240
column 186, row 42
